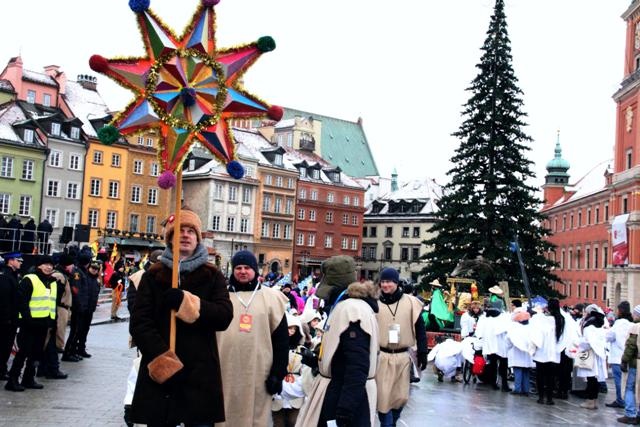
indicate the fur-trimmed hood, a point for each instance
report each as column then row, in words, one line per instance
column 363, row 290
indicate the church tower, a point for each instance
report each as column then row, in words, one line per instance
column 557, row 177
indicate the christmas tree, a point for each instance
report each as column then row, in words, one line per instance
column 487, row 201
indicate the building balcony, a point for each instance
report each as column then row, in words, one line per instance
column 627, row 175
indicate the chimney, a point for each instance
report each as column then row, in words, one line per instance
column 88, row 82
column 13, row 73
column 60, row 77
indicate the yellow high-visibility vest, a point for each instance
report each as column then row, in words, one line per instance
column 43, row 299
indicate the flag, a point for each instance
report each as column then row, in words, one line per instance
column 94, row 248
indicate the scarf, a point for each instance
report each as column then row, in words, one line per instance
column 189, row 264
column 391, row 298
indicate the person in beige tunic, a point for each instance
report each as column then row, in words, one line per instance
column 62, row 311
column 400, row 327
column 254, row 350
column 344, row 391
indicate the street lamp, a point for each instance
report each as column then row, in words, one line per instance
column 305, row 259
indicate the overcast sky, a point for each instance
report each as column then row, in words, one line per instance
column 401, row 65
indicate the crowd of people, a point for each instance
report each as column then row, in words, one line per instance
column 247, row 350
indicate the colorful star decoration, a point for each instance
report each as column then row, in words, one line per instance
column 186, row 88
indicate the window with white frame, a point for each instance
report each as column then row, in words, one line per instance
column 345, row 243
column 75, row 132
column 233, row 193
column 275, row 231
column 215, row 223
column 288, row 207
column 114, row 189
column 248, row 171
column 265, row 229
column 6, row 170
column 134, row 222
column 328, row 241
column 151, row 224
column 53, row 188
column 266, row 203
column 24, row 209
column 346, row 200
column 112, row 219
column 152, row 198
column 290, row 183
column 140, row 140
column 314, row 194
column 302, row 194
column 46, row 100
column 5, row 203
column 246, row 194
column 217, row 192
column 94, row 217
column 231, row 224
column 115, row 160
column 331, row 197
column 311, row 239
column 244, row 225
column 315, row 173
column 55, row 129
column 277, row 206
column 300, row 239
column 73, row 190
column 354, row 244
column 329, row 217
column 137, row 167
column 287, row 232
column 354, row 219
column 75, row 162
column 28, row 135
column 312, row 214
column 277, row 159
column 268, row 179
column 345, row 219
column 55, row 159
column 136, row 194
column 97, row 157
column 51, row 215
column 155, row 169
column 70, row 218
column 301, row 214
column 31, row 96
column 278, row 181
column 356, row 201
column 27, row 170
column 149, row 142
column 96, row 187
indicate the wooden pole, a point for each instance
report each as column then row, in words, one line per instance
column 175, row 272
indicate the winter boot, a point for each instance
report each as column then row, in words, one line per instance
column 13, row 385
column 28, row 379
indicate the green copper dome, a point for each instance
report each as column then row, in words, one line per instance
column 558, row 164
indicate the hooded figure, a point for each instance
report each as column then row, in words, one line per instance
column 345, row 390
column 593, row 342
column 254, row 350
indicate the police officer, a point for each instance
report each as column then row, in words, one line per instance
column 37, row 306
column 8, row 307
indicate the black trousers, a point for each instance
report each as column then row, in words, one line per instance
column 564, row 373
column 84, row 331
column 593, row 387
column 30, row 348
column 499, row 366
column 546, row 379
column 7, row 338
column 75, row 331
column 50, row 364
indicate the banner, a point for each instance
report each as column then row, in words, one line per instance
column 619, row 240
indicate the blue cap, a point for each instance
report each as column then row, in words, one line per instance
column 12, row 255
column 390, row 274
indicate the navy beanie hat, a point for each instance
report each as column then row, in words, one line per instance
column 245, row 258
column 390, row 274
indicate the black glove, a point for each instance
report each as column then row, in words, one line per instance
column 624, row 366
column 422, row 361
column 308, row 357
column 274, row 385
column 173, row 298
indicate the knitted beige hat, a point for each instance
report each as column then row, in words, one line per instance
column 188, row 218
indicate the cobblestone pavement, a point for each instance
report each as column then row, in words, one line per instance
column 93, row 393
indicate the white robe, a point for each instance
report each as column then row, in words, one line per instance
column 546, row 348
column 594, row 338
column 493, row 333
column 467, row 324
column 447, row 356
column 518, row 345
column 617, row 337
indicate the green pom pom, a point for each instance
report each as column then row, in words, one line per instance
column 266, row 44
column 108, row 134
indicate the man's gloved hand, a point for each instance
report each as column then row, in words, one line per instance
column 422, row 361
column 308, row 357
column 173, row 298
column 274, row 385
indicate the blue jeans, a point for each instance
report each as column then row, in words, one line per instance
column 617, row 380
column 521, row 382
column 630, row 409
column 390, row 418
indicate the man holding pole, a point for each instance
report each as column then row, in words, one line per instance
column 179, row 379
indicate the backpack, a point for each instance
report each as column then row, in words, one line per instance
column 478, row 365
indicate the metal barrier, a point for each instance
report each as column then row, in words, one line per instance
column 18, row 240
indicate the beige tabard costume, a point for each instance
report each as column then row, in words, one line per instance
column 351, row 310
column 394, row 369
column 62, row 311
column 246, row 358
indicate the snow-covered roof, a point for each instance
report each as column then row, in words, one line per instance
column 425, row 190
column 86, row 104
column 298, row 156
column 6, row 86
column 37, row 77
column 254, row 143
column 10, row 115
column 287, row 123
column 592, row 182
